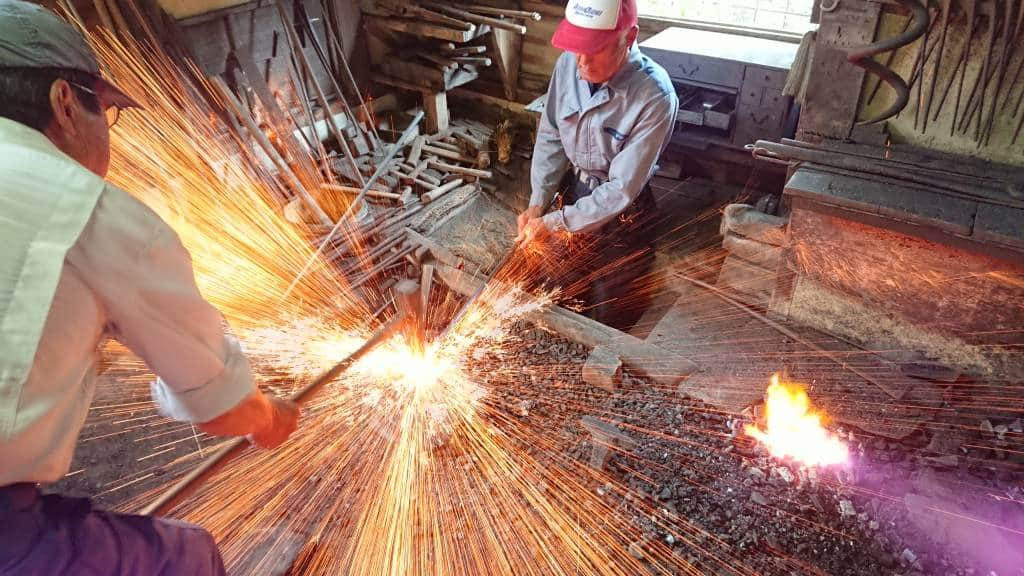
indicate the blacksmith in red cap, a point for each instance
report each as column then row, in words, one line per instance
column 609, row 115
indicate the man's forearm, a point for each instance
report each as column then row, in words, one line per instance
column 547, row 168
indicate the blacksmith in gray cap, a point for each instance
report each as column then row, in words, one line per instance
column 82, row 261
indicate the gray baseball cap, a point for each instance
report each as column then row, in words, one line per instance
column 33, row 37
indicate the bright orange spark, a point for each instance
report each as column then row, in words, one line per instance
column 794, row 431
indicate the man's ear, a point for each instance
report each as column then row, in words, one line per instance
column 631, row 37
column 64, row 105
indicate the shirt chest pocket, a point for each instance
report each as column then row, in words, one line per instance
column 610, row 141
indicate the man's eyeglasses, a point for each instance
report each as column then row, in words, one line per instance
column 113, row 112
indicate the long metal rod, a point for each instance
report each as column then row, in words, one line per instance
column 238, row 110
column 339, row 47
column 863, row 56
column 190, row 482
column 326, row 63
column 296, row 47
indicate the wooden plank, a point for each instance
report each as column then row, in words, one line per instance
column 461, row 169
column 444, row 153
column 441, row 191
column 355, row 191
column 521, row 14
column 467, row 94
column 538, row 56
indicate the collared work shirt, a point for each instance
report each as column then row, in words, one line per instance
column 81, row 261
column 615, row 134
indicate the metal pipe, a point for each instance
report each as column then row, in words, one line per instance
column 340, row 49
column 325, row 61
column 235, row 107
column 188, row 484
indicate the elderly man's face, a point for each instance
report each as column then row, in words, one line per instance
column 77, row 131
column 599, row 67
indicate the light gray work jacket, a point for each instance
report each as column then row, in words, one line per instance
column 615, row 135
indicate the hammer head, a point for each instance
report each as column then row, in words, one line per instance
column 409, row 301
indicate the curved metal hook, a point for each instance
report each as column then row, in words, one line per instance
column 863, row 56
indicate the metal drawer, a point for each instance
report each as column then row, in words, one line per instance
column 761, row 97
column 756, row 76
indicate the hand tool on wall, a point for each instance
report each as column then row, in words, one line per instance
column 1000, row 69
column 924, row 52
column 1020, row 63
column 863, row 56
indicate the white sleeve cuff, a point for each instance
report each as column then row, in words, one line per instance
column 555, row 221
column 213, row 398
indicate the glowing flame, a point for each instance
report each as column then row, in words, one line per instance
column 793, row 430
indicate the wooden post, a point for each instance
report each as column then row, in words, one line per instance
column 436, row 106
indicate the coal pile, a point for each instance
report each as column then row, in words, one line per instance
column 699, row 493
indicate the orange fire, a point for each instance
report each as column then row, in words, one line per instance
column 794, row 431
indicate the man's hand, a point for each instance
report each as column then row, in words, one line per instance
column 284, row 421
column 266, row 420
column 531, row 213
column 535, row 230
column 531, row 226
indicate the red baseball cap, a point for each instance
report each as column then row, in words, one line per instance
column 590, row 26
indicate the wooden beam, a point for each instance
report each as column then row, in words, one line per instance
column 436, row 193
column 664, row 367
column 509, row 105
column 444, row 167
